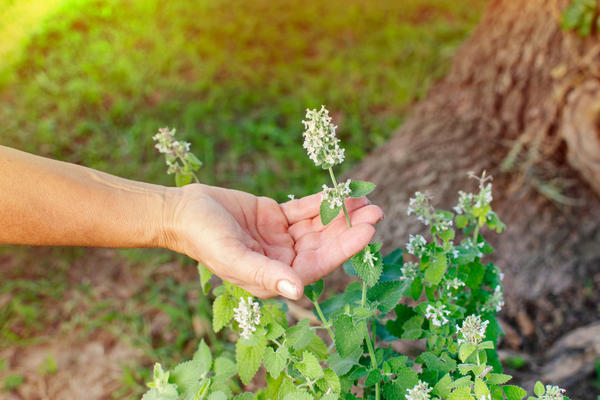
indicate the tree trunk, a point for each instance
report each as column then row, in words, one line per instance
column 522, row 101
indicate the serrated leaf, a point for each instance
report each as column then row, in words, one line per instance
column 340, row 365
column 461, row 393
column 373, row 377
column 327, row 213
column 309, row 367
column 514, row 392
column 274, row 331
column 443, row 387
column 300, row 335
column 313, row 292
column 195, row 163
column 435, row 271
column 223, row 311
column 329, row 382
column 249, row 358
column 465, row 350
column 187, row 374
column 275, row 361
column 367, row 273
column 224, row 368
column 154, row 394
column 539, row 389
column 298, row 396
column 416, row 288
column 387, row 294
column 361, row 188
column 461, row 221
column 182, row 179
column 219, row 395
column 395, row 257
column 203, row 356
column 348, row 335
column 481, row 389
column 406, row 379
column 497, row 379
column 205, row 275
column 318, row 347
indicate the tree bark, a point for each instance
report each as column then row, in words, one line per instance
column 522, row 101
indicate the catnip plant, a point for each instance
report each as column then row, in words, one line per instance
column 438, row 290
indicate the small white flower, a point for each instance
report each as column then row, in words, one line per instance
column 419, row 205
column 166, row 143
column 485, row 397
column 320, row 141
column 495, row 302
column 336, row 196
column 416, row 245
column 454, row 283
column 369, row 258
column 419, row 392
column 247, row 314
column 472, row 330
column 409, row 271
column 465, row 202
column 553, row 393
column 291, row 197
column 437, row 314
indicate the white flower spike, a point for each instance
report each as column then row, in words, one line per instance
column 247, row 314
column 320, row 142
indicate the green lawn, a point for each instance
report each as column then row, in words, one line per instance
column 90, row 81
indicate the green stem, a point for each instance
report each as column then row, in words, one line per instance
column 324, row 320
column 335, row 185
column 476, row 232
column 373, row 359
column 363, row 299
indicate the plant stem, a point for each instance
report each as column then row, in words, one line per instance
column 373, row 359
column 324, row 320
column 335, row 185
column 363, row 299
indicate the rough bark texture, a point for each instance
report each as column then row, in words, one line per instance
column 521, row 101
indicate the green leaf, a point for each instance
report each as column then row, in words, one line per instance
column 195, row 163
column 368, row 274
column 481, row 389
column 539, row 389
column 223, row 311
column 373, row 377
column 205, row 275
column 329, row 381
column 465, row 350
column 318, row 347
column 249, row 358
column 313, row 292
column 300, row 335
column 274, row 331
column 275, row 361
column 514, row 392
column 298, row 396
column 497, row 379
column 461, row 221
column 435, row 271
column 403, row 314
column 486, row 345
column 405, row 379
column 309, row 367
column 340, row 365
column 203, row 356
column 461, row 393
column 416, row 288
column 187, row 374
column 217, row 396
column 361, row 188
column 348, row 335
column 443, row 387
column 328, row 213
column 387, row 294
column 447, row 235
column 154, row 394
column 182, row 179
column 224, row 368
column 412, row 328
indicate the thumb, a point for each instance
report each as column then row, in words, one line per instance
column 271, row 276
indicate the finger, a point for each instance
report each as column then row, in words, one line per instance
column 303, row 227
column 312, row 265
column 270, row 275
column 304, row 208
column 310, row 241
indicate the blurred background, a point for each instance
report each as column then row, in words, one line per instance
column 90, row 82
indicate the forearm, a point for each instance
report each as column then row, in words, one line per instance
column 48, row 202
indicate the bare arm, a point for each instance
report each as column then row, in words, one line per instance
column 262, row 246
column 48, row 202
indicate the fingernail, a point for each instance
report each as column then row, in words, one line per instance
column 288, row 289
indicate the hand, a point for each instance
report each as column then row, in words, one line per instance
column 264, row 247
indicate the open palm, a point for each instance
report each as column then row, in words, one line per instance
column 256, row 243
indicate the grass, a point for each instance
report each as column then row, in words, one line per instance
column 90, row 81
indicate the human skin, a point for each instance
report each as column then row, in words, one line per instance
column 266, row 248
